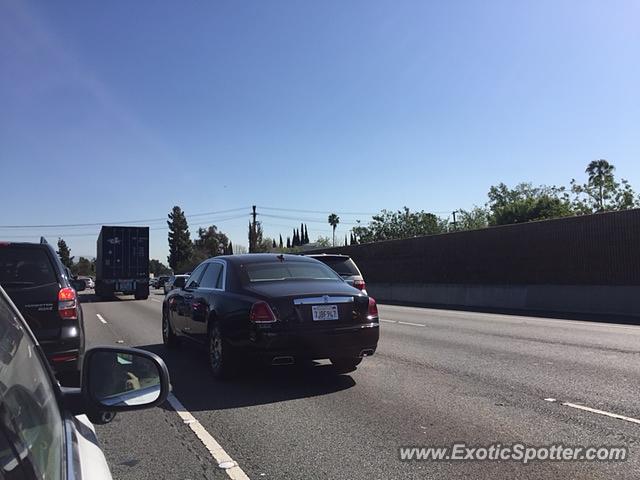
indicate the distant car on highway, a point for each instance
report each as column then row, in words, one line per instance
column 277, row 308
column 46, row 295
column 45, row 431
column 175, row 281
column 161, row 280
column 88, row 281
column 344, row 266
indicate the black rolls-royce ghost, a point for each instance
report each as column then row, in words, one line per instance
column 276, row 308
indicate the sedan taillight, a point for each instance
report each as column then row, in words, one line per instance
column 67, row 304
column 373, row 309
column 359, row 284
column 261, row 313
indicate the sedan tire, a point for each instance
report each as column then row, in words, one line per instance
column 222, row 361
column 169, row 338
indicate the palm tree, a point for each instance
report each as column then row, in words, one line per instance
column 334, row 220
column 600, row 176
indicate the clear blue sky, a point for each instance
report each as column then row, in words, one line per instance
column 119, row 110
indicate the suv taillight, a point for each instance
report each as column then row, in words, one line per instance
column 261, row 313
column 68, row 304
column 359, row 284
column 373, row 309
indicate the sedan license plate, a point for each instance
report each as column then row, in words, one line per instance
column 324, row 312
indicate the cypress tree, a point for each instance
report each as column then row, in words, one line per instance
column 288, row 242
column 180, row 246
column 280, row 244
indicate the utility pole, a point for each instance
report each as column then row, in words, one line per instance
column 455, row 225
column 253, row 231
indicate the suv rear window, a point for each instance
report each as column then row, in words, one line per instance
column 342, row 265
column 22, row 267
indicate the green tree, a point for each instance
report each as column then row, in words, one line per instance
column 84, row 267
column 525, row 203
column 280, row 244
column 334, row 220
column 472, row 219
column 64, row 252
column 323, row 242
column 602, row 193
column 288, row 242
column 400, row 224
column 180, row 246
column 306, row 234
column 158, row 268
column 211, row 241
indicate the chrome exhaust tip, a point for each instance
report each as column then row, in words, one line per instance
column 282, row 360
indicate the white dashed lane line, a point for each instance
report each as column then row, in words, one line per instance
column 101, row 318
column 594, row 410
column 403, row 323
column 156, row 300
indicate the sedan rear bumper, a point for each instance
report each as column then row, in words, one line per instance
column 351, row 341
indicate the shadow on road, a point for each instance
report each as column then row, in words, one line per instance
column 256, row 385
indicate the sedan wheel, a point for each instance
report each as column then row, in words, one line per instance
column 168, row 337
column 220, row 355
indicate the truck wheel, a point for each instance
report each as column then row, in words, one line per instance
column 345, row 365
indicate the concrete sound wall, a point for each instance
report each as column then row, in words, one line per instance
column 588, row 264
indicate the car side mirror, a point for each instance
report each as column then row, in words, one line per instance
column 78, row 285
column 116, row 379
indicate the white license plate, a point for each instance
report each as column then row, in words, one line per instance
column 324, row 312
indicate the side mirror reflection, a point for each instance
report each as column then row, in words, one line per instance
column 124, row 378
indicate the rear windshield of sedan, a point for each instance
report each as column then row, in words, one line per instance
column 268, row 272
column 344, row 266
column 25, row 267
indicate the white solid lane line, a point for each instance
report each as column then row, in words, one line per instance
column 100, row 318
column 217, row 452
column 601, row 412
column 156, row 300
column 388, row 321
column 412, row 324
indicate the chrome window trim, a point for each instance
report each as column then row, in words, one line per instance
column 224, row 277
column 322, row 300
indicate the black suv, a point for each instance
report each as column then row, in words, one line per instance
column 45, row 293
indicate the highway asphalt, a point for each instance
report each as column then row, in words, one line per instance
column 439, row 377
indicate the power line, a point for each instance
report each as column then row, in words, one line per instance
column 326, row 212
column 95, row 233
column 302, row 219
column 146, row 220
column 316, row 211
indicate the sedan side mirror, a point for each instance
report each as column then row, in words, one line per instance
column 117, row 379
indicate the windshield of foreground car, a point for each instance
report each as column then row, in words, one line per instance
column 267, row 272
